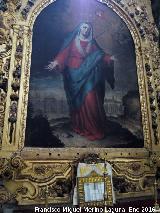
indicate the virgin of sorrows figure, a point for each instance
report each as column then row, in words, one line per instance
column 85, row 67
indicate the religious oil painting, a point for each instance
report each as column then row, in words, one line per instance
column 83, row 79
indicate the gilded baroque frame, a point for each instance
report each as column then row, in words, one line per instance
column 30, row 170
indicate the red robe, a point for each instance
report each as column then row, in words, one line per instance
column 89, row 119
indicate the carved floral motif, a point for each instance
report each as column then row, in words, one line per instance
column 135, row 166
column 4, row 195
column 60, row 188
column 124, row 186
column 27, row 8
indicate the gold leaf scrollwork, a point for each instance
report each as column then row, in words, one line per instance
column 42, row 170
column 22, row 190
column 4, row 195
column 135, row 167
column 17, row 163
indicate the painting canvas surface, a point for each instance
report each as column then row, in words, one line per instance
column 49, row 122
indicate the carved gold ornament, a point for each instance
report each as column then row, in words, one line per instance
column 28, row 171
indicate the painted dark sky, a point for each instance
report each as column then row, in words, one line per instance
column 48, row 37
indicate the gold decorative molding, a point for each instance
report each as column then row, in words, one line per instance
column 4, row 195
column 32, row 181
column 32, row 178
column 26, row 180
